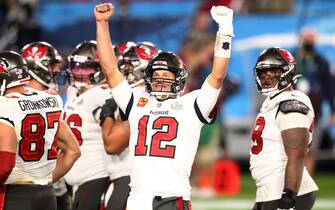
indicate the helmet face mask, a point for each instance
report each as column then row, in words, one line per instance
column 161, row 85
column 84, row 68
column 44, row 63
column 13, row 70
column 274, row 71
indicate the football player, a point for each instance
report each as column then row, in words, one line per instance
column 85, row 97
column 30, row 133
column 281, row 135
column 115, row 133
column 164, row 126
column 44, row 66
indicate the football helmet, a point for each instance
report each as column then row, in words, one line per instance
column 121, row 48
column 277, row 60
column 44, row 63
column 167, row 61
column 84, row 66
column 135, row 60
column 13, row 70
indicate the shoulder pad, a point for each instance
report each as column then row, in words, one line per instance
column 293, row 106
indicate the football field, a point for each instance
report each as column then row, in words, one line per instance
column 245, row 200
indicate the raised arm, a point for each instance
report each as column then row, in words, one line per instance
column 223, row 16
column 69, row 151
column 108, row 62
column 210, row 90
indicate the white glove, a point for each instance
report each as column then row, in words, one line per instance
column 224, row 17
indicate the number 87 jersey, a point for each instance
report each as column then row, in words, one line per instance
column 35, row 116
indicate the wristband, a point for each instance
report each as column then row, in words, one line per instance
column 222, row 45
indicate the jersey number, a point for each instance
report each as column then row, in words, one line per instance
column 256, row 136
column 156, row 149
column 31, row 146
column 75, row 120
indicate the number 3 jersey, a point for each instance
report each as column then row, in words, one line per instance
column 267, row 155
column 164, row 137
column 35, row 116
column 81, row 113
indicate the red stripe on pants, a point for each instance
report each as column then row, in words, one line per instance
column 179, row 203
column 2, row 196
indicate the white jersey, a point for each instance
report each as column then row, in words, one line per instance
column 267, row 155
column 164, row 137
column 81, row 113
column 35, row 116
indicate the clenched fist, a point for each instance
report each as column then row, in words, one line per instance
column 103, row 12
column 223, row 16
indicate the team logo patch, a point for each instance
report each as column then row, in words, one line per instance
column 145, row 52
column 35, row 53
column 142, row 102
column 177, row 106
column 225, row 45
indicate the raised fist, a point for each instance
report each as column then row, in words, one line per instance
column 103, row 12
column 224, row 17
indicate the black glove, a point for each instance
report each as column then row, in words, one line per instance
column 287, row 200
column 108, row 110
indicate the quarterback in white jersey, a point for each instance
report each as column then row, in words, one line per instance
column 164, row 126
column 85, row 97
column 280, row 137
column 30, row 122
column 131, row 62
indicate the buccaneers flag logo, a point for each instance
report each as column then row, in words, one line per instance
column 145, row 52
column 287, row 56
column 35, row 53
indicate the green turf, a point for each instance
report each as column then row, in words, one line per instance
column 326, row 183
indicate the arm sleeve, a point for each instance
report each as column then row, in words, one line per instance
column 205, row 103
column 123, row 97
column 293, row 120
